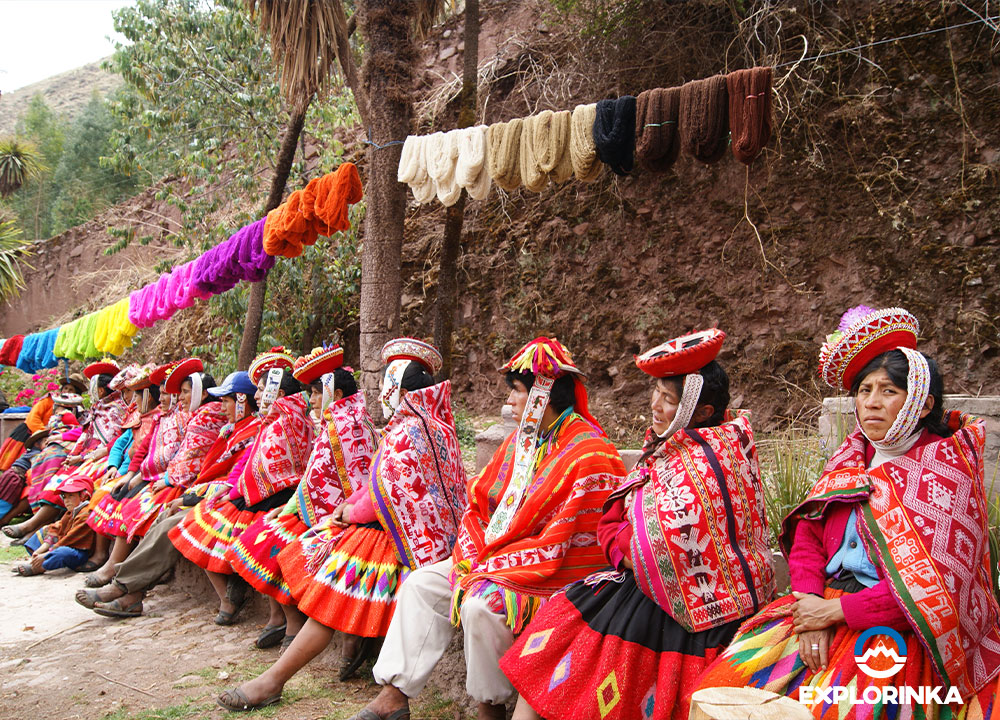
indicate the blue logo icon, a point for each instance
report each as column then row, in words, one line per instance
column 880, row 648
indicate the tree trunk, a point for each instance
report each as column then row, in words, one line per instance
column 387, row 77
column 451, row 242
column 255, row 304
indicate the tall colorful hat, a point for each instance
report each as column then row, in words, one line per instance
column 276, row 357
column 864, row 334
column 309, row 368
column 121, row 377
column 683, row 355
column 407, row 348
column 102, row 367
column 178, row 372
column 542, row 356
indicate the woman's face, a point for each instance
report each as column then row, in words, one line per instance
column 316, row 399
column 127, row 395
column 184, row 396
column 664, row 404
column 517, row 399
column 229, row 407
column 878, row 402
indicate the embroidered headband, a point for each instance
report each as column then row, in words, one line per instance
column 864, row 334
column 276, row 357
column 407, row 348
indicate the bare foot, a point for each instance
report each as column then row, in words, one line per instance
column 109, row 593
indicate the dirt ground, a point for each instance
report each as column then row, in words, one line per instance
column 60, row 661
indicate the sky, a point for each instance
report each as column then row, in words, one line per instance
column 42, row 38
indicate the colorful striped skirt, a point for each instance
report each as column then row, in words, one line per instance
column 765, row 655
column 254, row 554
column 346, row 580
column 106, row 515
column 140, row 512
column 207, row 532
column 605, row 651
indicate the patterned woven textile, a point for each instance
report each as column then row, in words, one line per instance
column 418, row 481
column 552, row 540
column 107, row 416
column 354, row 587
column 338, row 465
column 167, row 440
column 605, row 651
column 700, row 541
column 925, row 524
column 279, row 456
column 44, row 469
column 765, row 654
column 198, row 436
column 208, row 531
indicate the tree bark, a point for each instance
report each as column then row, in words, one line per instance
column 387, row 26
column 451, row 241
column 346, row 59
column 258, row 290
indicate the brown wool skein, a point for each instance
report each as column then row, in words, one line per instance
column 704, row 118
column 657, row 142
column 749, row 111
column 503, row 141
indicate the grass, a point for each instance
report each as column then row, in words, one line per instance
column 790, row 463
column 173, row 712
column 12, row 553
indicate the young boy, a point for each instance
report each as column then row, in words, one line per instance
column 69, row 540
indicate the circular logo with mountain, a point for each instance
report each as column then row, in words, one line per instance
column 880, row 652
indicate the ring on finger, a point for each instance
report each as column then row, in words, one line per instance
column 815, row 646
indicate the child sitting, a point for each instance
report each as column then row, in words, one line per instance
column 68, row 541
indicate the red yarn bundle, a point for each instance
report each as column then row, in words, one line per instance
column 749, row 111
column 657, row 142
column 704, row 118
column 318, row 209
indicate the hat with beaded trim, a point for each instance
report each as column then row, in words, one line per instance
column 322, row 360
column 179, row 372
column 102, row 367
column 159, row 374
column 864, row 333
column 407, row 348
column 67, row 400
column 120, row 378
column 683, row 355
column 138, row 379
column 276, row 357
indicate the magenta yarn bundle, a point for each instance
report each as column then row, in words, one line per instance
column 241, row 257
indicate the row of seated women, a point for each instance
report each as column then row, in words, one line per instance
column 582, row 590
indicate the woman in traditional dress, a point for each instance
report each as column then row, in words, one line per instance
column 686, row 536
column 37, row 419
column 174, row 461
column 894, row 539
column 338, row 466
column 267, row 479
column 344, row 572
column 155, row 557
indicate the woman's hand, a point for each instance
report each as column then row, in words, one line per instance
column 158, row 486
column 172, row 506
column 627, row 563
column 814, row 648
column 134, row 482
column 340, row 514
column 36, row 562
column 814, row 613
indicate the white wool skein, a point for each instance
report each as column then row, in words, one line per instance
column 471, row 155
column 424, row 190
column 411, row 162
column 442, row 153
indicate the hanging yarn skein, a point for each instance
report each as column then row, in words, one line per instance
column 614, row 133
column 704, row 118
column 503, row 143
column 413, row 169
column 586, row 165
column 442, row 153
column 471, row 172
column 750, row 120
column 544, row 149
column 657, row 143
column 11, row 350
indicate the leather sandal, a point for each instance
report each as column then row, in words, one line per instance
column 87, row 598
column 13, row 531
column 235, row 701
column 115, row 609
column 349, row 666
column 92, row 581
column 366, row 714
column 270, row 636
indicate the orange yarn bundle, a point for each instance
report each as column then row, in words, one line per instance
column 318, row 209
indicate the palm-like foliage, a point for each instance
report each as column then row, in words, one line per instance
column 13, row 251
column 19, row 162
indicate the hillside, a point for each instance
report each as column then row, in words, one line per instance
column 66, row 93
column 880, row 187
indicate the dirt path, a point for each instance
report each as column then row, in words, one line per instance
column 59, row 660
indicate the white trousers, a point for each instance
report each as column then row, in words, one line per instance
column 421, row 630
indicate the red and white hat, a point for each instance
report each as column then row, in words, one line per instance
column 683, row 355
column 407, row 348
column 178, row 372
column 309, row 368
column 276, row 357
column 76, row 483
column 102, row 367
column 159, row 374
column 864, row 334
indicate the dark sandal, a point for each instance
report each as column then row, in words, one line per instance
column 114, row 609
column 367, row 714
column 235, row 701
column 25, row 570
column 87, row 598
column 349, row 666
column 229, row 618
column 88, row 567
column 12, row 531
column 270, row 636
column 92, row 581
